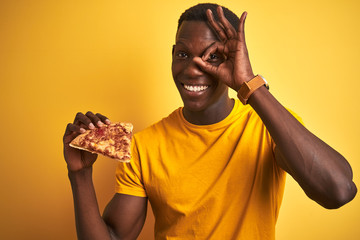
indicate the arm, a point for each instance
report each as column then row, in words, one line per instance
column 89, row 223
column 125, row 215
column 323, row 173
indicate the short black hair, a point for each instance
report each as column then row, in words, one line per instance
column 198, row 13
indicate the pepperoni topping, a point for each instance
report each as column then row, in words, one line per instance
column 100, row 132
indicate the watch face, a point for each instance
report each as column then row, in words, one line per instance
column 266, row 83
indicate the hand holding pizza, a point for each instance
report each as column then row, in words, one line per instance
column 236, row 68
column 77, row 159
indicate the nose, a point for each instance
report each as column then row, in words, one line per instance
column 192, row 70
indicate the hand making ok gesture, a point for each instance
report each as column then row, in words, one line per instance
column 236, row 68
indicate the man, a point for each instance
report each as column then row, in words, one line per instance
column 213, row 169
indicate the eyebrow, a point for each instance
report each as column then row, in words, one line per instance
column 179, row 42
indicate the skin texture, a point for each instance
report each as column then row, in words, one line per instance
column 213, row 55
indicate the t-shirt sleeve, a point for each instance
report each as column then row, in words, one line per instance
column 128, row 175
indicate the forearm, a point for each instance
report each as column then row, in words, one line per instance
column 323, row 173
column 89, row 223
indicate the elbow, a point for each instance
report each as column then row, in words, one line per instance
column 340, row 196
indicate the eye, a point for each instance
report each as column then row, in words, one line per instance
column 181, row 55
column 214, row 57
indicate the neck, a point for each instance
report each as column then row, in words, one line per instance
column 211, row 115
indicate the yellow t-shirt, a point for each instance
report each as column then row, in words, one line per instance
column 216, row 181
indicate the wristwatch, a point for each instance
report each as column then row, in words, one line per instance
column 247, row 88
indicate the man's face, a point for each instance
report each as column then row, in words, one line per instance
column 199, row 90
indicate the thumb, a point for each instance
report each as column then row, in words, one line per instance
column 205, row 66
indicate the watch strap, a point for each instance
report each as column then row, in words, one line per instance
column 247, row 88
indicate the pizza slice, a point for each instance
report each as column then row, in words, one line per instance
column 113, row 140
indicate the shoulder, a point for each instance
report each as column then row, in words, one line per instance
column 245, row 113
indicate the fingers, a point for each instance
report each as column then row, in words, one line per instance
column 71, row 132
column 212, row 58
column 215, row 48
column 229, row 29
column 224, row 29
column 90, row 120
column 103, row 118
column 220, row 32
column 205, row 66
column 241, row 30
column 74, row 128
column 83, row 122
column 95, row 120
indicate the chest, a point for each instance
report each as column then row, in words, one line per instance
column 181, row 171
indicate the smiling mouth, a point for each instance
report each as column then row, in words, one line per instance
column 195, row 88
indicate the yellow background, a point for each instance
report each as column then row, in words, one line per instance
column 113, row 57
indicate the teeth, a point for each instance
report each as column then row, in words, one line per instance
column 192, row 88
